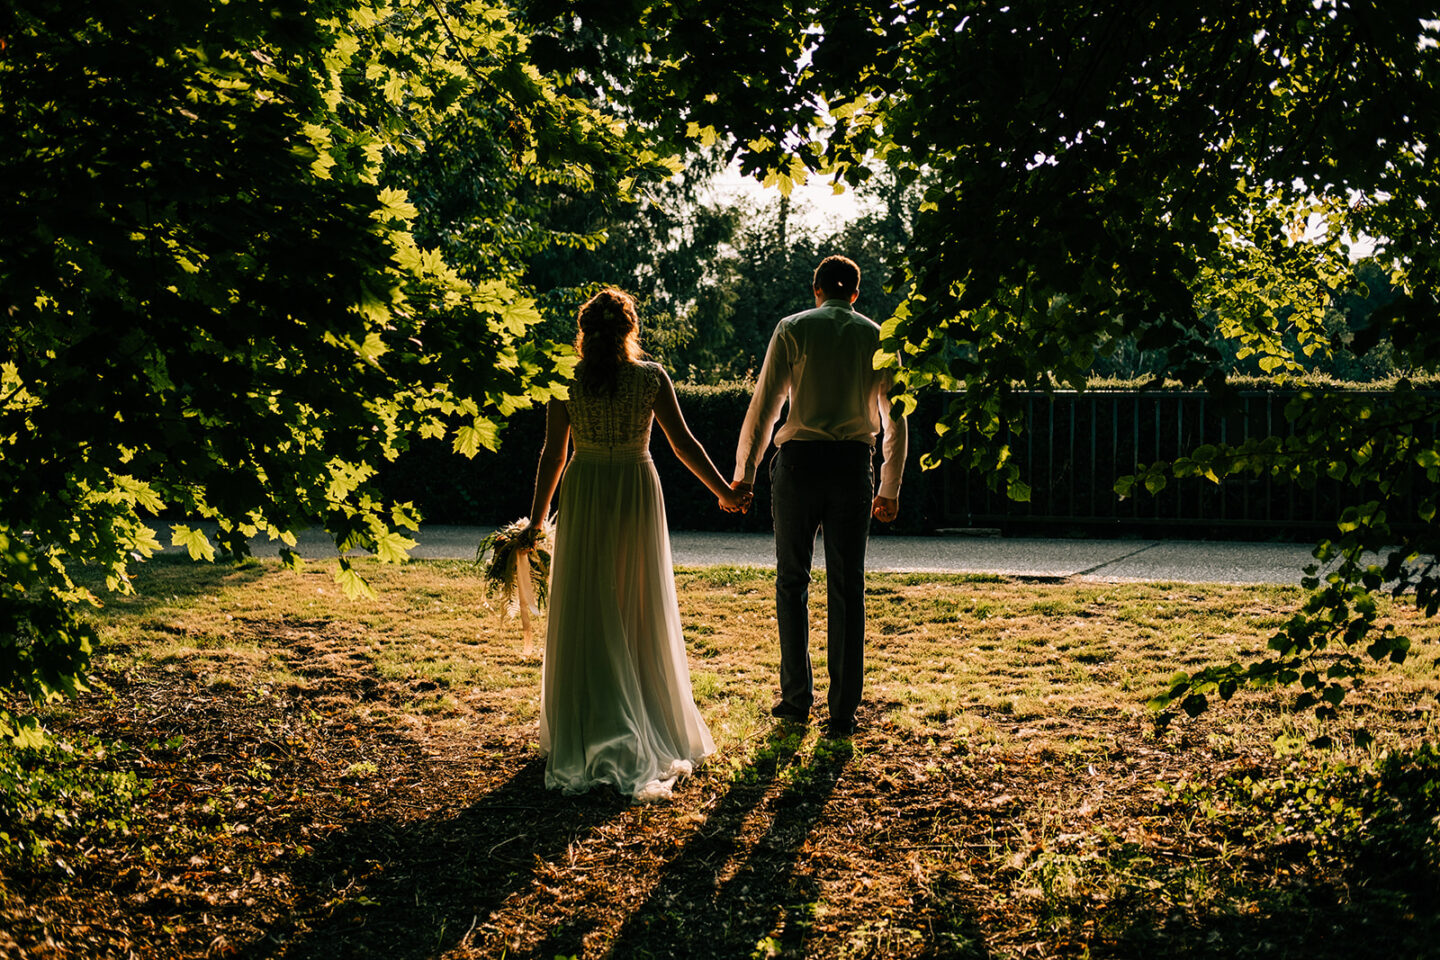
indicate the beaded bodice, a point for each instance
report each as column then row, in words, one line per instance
column 601, row 419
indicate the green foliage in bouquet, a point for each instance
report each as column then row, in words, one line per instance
column 500, row 555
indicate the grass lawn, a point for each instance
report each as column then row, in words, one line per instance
column 333, row 778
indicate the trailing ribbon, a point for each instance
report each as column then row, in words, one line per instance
column 516, row 560
column 526, row 590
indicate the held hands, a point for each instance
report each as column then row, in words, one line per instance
column 738, row 499
column 885, row 509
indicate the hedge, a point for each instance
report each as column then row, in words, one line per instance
column 495, row 488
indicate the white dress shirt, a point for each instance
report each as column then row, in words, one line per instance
column 822, row 362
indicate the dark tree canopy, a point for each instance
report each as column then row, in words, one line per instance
column 1185, row 180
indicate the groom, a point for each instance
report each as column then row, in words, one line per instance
column 821, row 361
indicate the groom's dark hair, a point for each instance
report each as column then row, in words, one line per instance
column 837, row 276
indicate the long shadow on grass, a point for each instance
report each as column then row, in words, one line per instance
column 408, row 891
column 695, row 909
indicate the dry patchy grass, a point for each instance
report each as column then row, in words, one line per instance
column 360, row 778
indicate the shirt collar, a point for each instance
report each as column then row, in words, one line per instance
column 841, row 302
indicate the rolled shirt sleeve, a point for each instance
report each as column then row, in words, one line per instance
column 771, row 391
column 894, row 446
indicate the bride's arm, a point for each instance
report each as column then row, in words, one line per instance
column 552, row 460
column 688, row 449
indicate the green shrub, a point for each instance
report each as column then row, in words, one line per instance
column 495, row 488
column 60, row 791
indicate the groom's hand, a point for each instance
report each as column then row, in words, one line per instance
column 744, row 489
column 885, row 509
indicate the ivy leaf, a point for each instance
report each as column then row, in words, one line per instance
column 24, row 733
column 1194, row 705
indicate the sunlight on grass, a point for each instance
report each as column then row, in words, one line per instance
column 1006, row 768
column 939, row 647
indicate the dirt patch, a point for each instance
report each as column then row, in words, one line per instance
column 279, row 827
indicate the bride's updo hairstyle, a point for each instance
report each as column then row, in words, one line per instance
column 609, row 338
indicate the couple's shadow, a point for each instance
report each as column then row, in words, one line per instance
column 406, row 891
column 724, row 892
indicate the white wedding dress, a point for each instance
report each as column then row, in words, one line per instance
column 615, row 701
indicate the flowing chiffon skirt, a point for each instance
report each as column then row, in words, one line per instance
column 615, row 704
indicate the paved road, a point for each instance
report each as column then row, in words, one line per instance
column 1187, row 561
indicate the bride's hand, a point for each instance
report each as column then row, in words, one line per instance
column 737, row 499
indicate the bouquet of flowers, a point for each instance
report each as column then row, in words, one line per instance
column 516, row 559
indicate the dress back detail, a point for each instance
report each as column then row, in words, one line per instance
column 600, row 420
column 616, row 705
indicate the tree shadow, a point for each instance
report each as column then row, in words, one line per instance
column 167, row 578
column 1371, row 892
column 406, row 891
column 1366, row 884
column 1339, row 919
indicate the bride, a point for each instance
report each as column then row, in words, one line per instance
column 615, row 700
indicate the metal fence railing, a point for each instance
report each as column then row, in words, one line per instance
column 1075, row 446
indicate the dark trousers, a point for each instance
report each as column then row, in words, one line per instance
column 821, row 485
